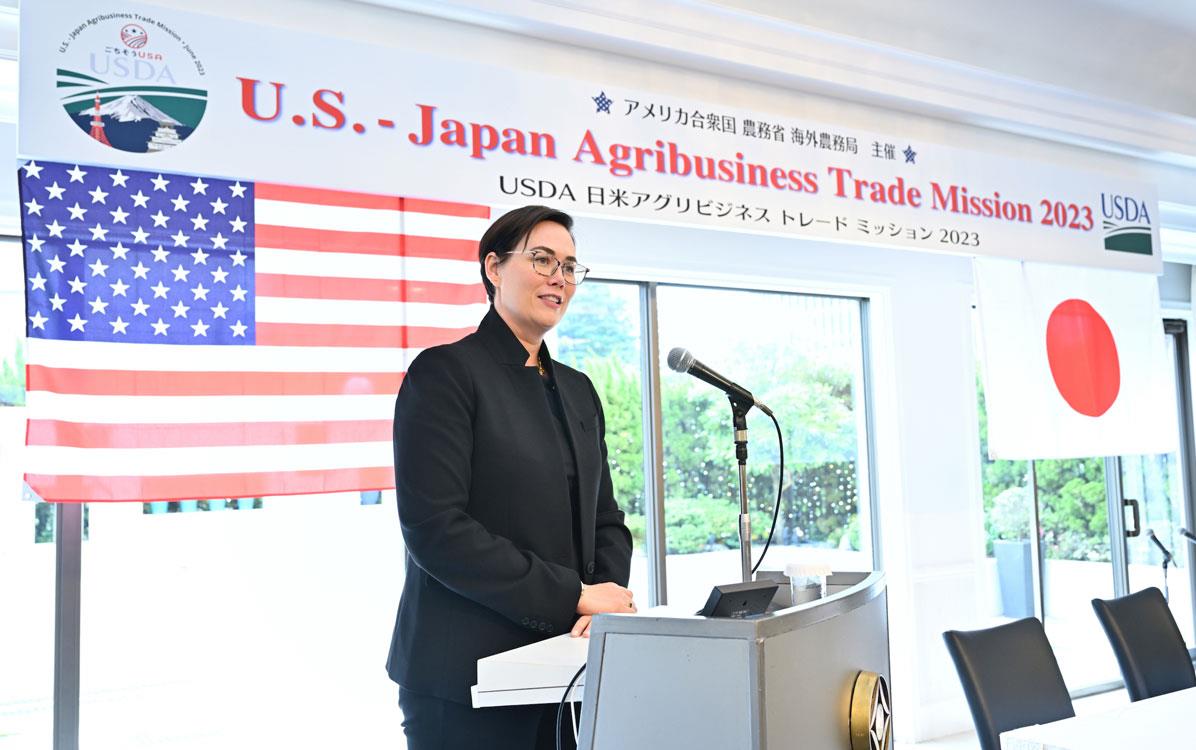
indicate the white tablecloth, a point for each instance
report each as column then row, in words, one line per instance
column 1162, row 722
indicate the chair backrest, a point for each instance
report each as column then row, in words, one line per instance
column 1149, row 647
column 1010, row 677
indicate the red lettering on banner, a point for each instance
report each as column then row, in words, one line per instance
column 841, row 175
column 426, row 126
column 454, row 134
column 249, row 99
column 481, row 138
column 589, row 146
column 896, row 193
column 321, row 102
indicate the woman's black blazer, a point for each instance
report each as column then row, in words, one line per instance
column 485, row 510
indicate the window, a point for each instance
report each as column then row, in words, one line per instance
column 807, row 363
column 801, row 355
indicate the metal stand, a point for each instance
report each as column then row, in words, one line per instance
column 1166, row 589
column 739, row 411
column 1167, row 558
column 68, row 552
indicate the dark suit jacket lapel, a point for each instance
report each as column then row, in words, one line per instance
column 587, row 464
column 508, row 350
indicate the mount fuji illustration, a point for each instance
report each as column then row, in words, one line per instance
column 132, row 108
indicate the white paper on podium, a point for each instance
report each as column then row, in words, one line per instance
column 536, row 673
column 540, row 672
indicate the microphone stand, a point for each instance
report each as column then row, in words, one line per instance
column 1166, row 588
column 1167, row 557
column 739, row 410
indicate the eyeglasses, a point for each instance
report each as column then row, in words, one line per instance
column 546, row 265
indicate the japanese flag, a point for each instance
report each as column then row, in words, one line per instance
column 1075, row 361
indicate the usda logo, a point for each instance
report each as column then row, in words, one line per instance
column 131, row 82
column 1126, row 224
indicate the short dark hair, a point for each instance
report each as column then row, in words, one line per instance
column 505, row 234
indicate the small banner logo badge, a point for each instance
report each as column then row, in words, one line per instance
column 135, row 87
column 1126, row 224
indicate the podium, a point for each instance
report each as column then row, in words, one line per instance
column 809, row 676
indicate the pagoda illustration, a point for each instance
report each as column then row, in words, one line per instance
column 163, row 138
column 97, row 124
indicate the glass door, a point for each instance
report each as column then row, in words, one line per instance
column 1076, row 565
column 1159, row 487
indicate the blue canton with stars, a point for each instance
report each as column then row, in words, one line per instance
column 140, row 257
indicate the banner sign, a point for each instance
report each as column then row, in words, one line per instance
column 138, row 86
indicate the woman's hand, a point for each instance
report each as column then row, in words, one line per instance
column 581, row 628
column 605, row 597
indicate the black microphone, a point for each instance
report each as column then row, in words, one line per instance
column 1188, row 535
column 680, row 360
column 1167, row 557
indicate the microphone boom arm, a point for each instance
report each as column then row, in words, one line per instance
column 742, row 400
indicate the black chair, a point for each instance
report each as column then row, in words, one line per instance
column 1149, row 647
column 1010, row 677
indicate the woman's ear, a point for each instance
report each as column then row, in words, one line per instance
column 492, row 269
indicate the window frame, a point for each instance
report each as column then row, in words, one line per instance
column 650, row 397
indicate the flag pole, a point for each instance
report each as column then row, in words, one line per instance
column 68, row 549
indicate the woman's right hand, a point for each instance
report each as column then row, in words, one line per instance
column 605, row 597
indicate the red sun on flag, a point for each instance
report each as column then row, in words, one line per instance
column 1083, row 357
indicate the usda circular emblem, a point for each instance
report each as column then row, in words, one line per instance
column 131, row 82
column 133, row 36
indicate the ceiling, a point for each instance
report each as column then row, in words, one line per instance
column 1142, row 53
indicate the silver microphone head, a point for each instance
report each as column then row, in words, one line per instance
column 680, row 360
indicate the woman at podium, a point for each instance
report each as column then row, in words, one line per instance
column 504, row 493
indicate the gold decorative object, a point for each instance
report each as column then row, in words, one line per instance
column 871, row 717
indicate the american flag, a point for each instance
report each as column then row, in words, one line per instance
column 193, row 337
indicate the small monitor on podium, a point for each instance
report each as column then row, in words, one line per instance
column 739, row 600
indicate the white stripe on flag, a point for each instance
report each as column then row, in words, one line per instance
column 207, row 460
column 439, row 225
column 71, row 407
column 380, row 220
column 358, row 312
column 315, row 216
column 199, row 358
column 360, row 266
